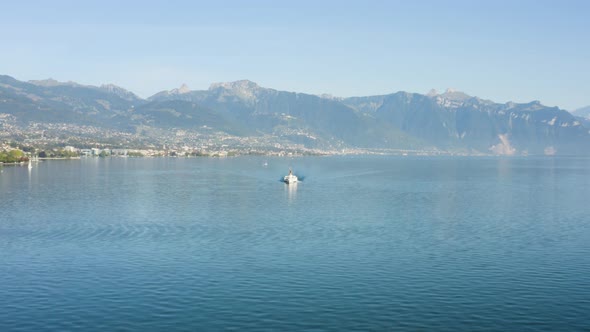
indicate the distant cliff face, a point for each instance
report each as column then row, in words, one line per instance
column 452, row 121
column 455, row 120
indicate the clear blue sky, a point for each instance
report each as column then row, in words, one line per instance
column 500, row 50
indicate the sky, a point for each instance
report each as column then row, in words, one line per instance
column 499, row 50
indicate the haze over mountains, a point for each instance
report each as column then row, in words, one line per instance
column 449, row 121
column 583, row 112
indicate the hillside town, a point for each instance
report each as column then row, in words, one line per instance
column 66, row 140
column 53, row 141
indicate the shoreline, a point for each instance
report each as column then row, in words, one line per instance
column 37, row 160
column 292, row 156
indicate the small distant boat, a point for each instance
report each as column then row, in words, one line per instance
column 30, row 166
column 290, row 178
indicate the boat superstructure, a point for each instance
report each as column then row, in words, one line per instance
column 290, row 178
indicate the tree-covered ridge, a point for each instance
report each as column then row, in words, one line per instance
column 13, row 156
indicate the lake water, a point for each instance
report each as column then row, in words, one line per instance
column 363, row 243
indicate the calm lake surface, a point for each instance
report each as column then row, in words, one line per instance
column 363, row 243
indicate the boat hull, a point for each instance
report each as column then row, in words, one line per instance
column 290, row 179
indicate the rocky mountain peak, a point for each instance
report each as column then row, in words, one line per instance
column 184, row 88
column 241, row 85
column 453, row 94
column 112, row 87
column 51, row 82
column 432, row 93
column 243, row 89
column 119, row 91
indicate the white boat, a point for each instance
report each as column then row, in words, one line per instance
column 290, row 178
column 30, row 166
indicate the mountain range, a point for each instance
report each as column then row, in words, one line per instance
column 449, row 121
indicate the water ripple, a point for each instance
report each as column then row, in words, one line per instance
column 362, row 244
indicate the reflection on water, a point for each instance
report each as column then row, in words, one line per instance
column 291, row 190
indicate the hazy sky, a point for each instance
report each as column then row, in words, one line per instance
column 500, row 50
